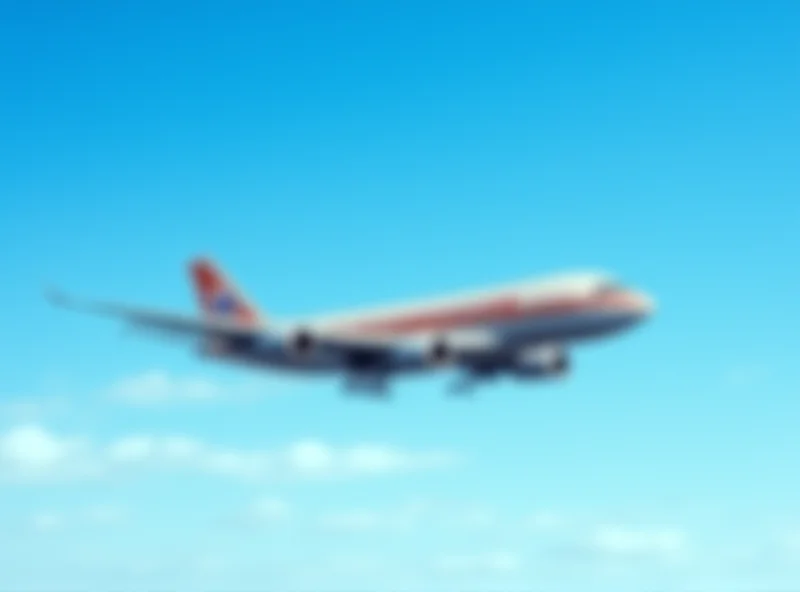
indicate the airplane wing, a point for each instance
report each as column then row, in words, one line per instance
column 168, row 322
column 191, row 326
column 467, row 347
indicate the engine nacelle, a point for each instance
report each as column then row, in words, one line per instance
column 541, row 362
column 439, row 353
column 300, row 343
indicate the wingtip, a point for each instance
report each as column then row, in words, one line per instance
column 55, row 296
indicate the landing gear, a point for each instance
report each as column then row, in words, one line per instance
column 466, row 383
column 368, row 374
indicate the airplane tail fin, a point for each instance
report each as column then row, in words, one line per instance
column 218, row 297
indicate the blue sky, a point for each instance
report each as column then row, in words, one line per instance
column 331, row 155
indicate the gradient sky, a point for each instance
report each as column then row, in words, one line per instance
column 334, row 154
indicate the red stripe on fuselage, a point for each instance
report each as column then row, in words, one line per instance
column 441, row 318
column 488, row 312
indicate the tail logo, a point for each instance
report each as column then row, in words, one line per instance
column 217, row 295
column 224, row 303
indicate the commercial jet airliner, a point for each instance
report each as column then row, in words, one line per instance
column 523, row 330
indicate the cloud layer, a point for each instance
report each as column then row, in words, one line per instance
column 104, row 515
column 400, row 518
column 155, row 387
column 626, row 542
column 493, row 562
column 33, row 453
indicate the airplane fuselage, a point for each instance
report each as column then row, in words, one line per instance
column 504, row 320
column 522, row 329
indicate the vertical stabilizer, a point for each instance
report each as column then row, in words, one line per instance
column 218, row 297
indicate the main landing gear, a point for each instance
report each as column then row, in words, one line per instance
column 466, row 383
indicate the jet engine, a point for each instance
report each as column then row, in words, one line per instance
column 541, row 362
column 300, row 343
column 439, row 353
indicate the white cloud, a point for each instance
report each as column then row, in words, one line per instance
column 791, row 542
column 316, row 459
column 374, row 459
column 154, row 451
column 403, row 517
column 33, row 448
column 502, row 561
column 157, row 387
column 494, row 562
column 310, row 457
column 32, row 452
column 626, row 543
column 382, row 459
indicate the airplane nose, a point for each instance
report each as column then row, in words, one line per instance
column 644, row 304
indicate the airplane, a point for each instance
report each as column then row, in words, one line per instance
column 523, row 330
